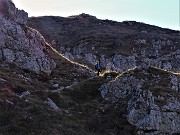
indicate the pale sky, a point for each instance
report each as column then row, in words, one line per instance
column 163, row 13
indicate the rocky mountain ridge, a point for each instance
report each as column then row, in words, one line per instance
column 43, row 92
column 118, row 46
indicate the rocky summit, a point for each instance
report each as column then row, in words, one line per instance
column 49, row 85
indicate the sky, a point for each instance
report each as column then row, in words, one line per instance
column 163, row 13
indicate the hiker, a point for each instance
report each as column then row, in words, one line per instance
column 98, row 68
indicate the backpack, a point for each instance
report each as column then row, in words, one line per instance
column 97, row 66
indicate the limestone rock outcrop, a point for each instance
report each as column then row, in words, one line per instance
column 153, row 105
column 20, row 44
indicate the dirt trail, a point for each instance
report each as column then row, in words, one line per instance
column 91, row 114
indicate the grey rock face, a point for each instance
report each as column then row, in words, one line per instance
column 8, row 55
column 114, row 90
column 123, row 63
column 151, row 107
column 150, row 117
column 116, row 62
column 175, row 83
column 155, row 56
column 163, row 54
column 21, row 45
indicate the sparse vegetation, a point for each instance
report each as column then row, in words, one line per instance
column 68, row 101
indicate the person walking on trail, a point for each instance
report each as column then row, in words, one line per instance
column 98, row 67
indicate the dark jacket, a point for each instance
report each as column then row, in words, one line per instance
column 97, row 67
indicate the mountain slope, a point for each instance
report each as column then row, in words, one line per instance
column 147, row 97
column 43, row 92
column 118, row 45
